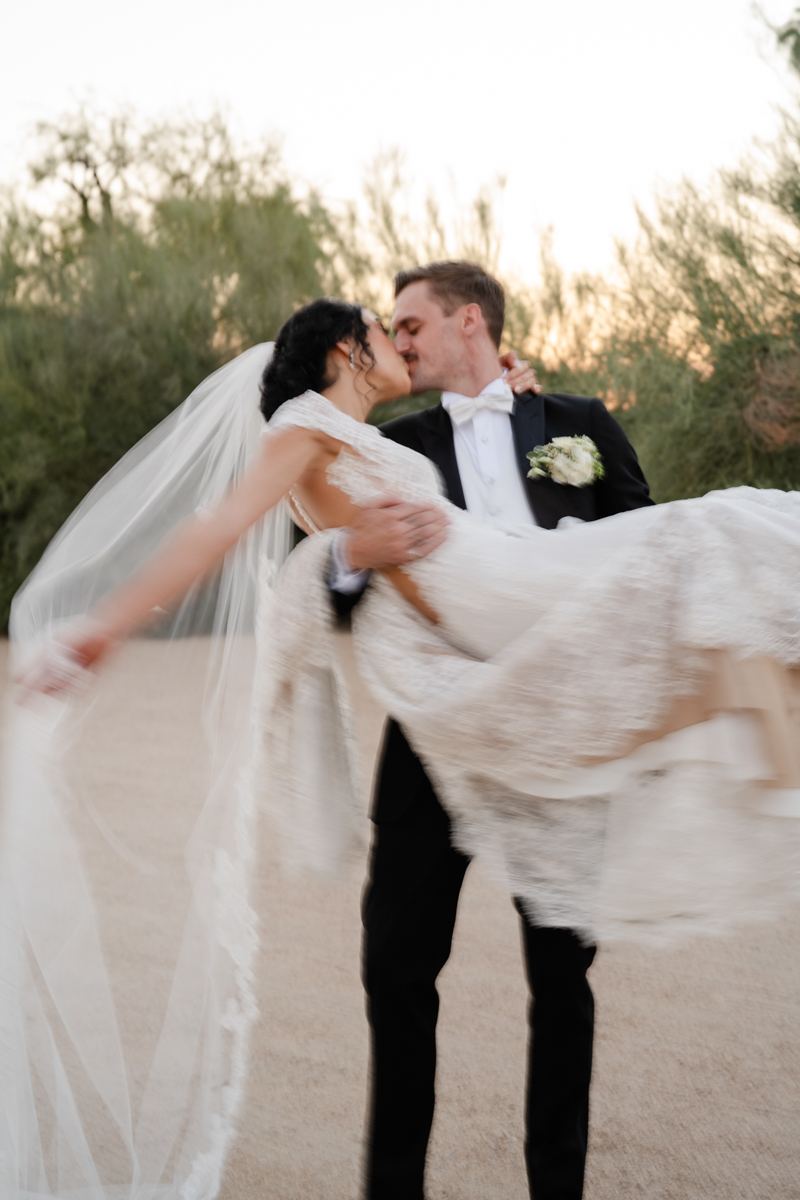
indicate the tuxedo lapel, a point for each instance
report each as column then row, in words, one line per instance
column 527, row 421
column 439, row 447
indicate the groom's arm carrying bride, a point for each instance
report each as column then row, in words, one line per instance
column 448, row 321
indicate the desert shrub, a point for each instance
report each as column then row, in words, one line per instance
column 157, row 258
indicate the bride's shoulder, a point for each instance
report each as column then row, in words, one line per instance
column 301, row 410
column 312, row 411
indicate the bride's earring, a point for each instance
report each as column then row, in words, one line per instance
column 352, row 362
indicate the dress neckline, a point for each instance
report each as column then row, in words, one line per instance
column 312, row 395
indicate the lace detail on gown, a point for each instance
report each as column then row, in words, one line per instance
column 307, row 760
column 369, row 464
column 555, row 651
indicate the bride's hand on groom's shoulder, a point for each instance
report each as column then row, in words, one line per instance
column 390, row 533
column 521, row 377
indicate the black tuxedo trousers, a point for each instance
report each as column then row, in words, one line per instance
column 409, row 915
column 416, row 874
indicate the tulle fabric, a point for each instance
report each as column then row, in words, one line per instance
column 125, row 1006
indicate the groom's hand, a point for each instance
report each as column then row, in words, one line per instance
column 389, row 533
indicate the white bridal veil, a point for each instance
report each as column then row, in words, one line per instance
column 127, row 936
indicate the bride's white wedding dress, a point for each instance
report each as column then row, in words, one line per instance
column 608, row 711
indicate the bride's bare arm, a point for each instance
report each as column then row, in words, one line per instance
column 202, row 540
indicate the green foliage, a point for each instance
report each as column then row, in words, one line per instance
column 153, row 257
column 166, row 255
column 788, row 37
column 696, row 340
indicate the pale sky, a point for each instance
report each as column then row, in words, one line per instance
column 583, row 107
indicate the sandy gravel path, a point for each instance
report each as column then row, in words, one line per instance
column 697, row 1077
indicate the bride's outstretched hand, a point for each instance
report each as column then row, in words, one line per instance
column 63, row 664
column 521, row 377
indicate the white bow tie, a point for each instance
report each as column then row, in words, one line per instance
column 463, row 408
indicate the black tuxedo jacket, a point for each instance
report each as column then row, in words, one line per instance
column 536, row 420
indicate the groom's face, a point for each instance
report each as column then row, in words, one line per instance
column 430, row 341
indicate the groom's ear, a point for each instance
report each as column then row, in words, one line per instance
column 472, row 320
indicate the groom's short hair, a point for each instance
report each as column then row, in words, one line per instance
column 457, row 283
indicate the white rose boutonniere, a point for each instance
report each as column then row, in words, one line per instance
column 572, row 460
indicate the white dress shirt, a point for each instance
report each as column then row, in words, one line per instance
column 487, row 463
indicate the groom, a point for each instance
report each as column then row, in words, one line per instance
column 448, row 321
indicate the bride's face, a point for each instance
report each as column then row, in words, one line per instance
column 389, row 377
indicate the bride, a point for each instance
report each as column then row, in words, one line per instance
column 654, row 653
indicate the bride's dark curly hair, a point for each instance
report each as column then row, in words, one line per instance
column 299, row 361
